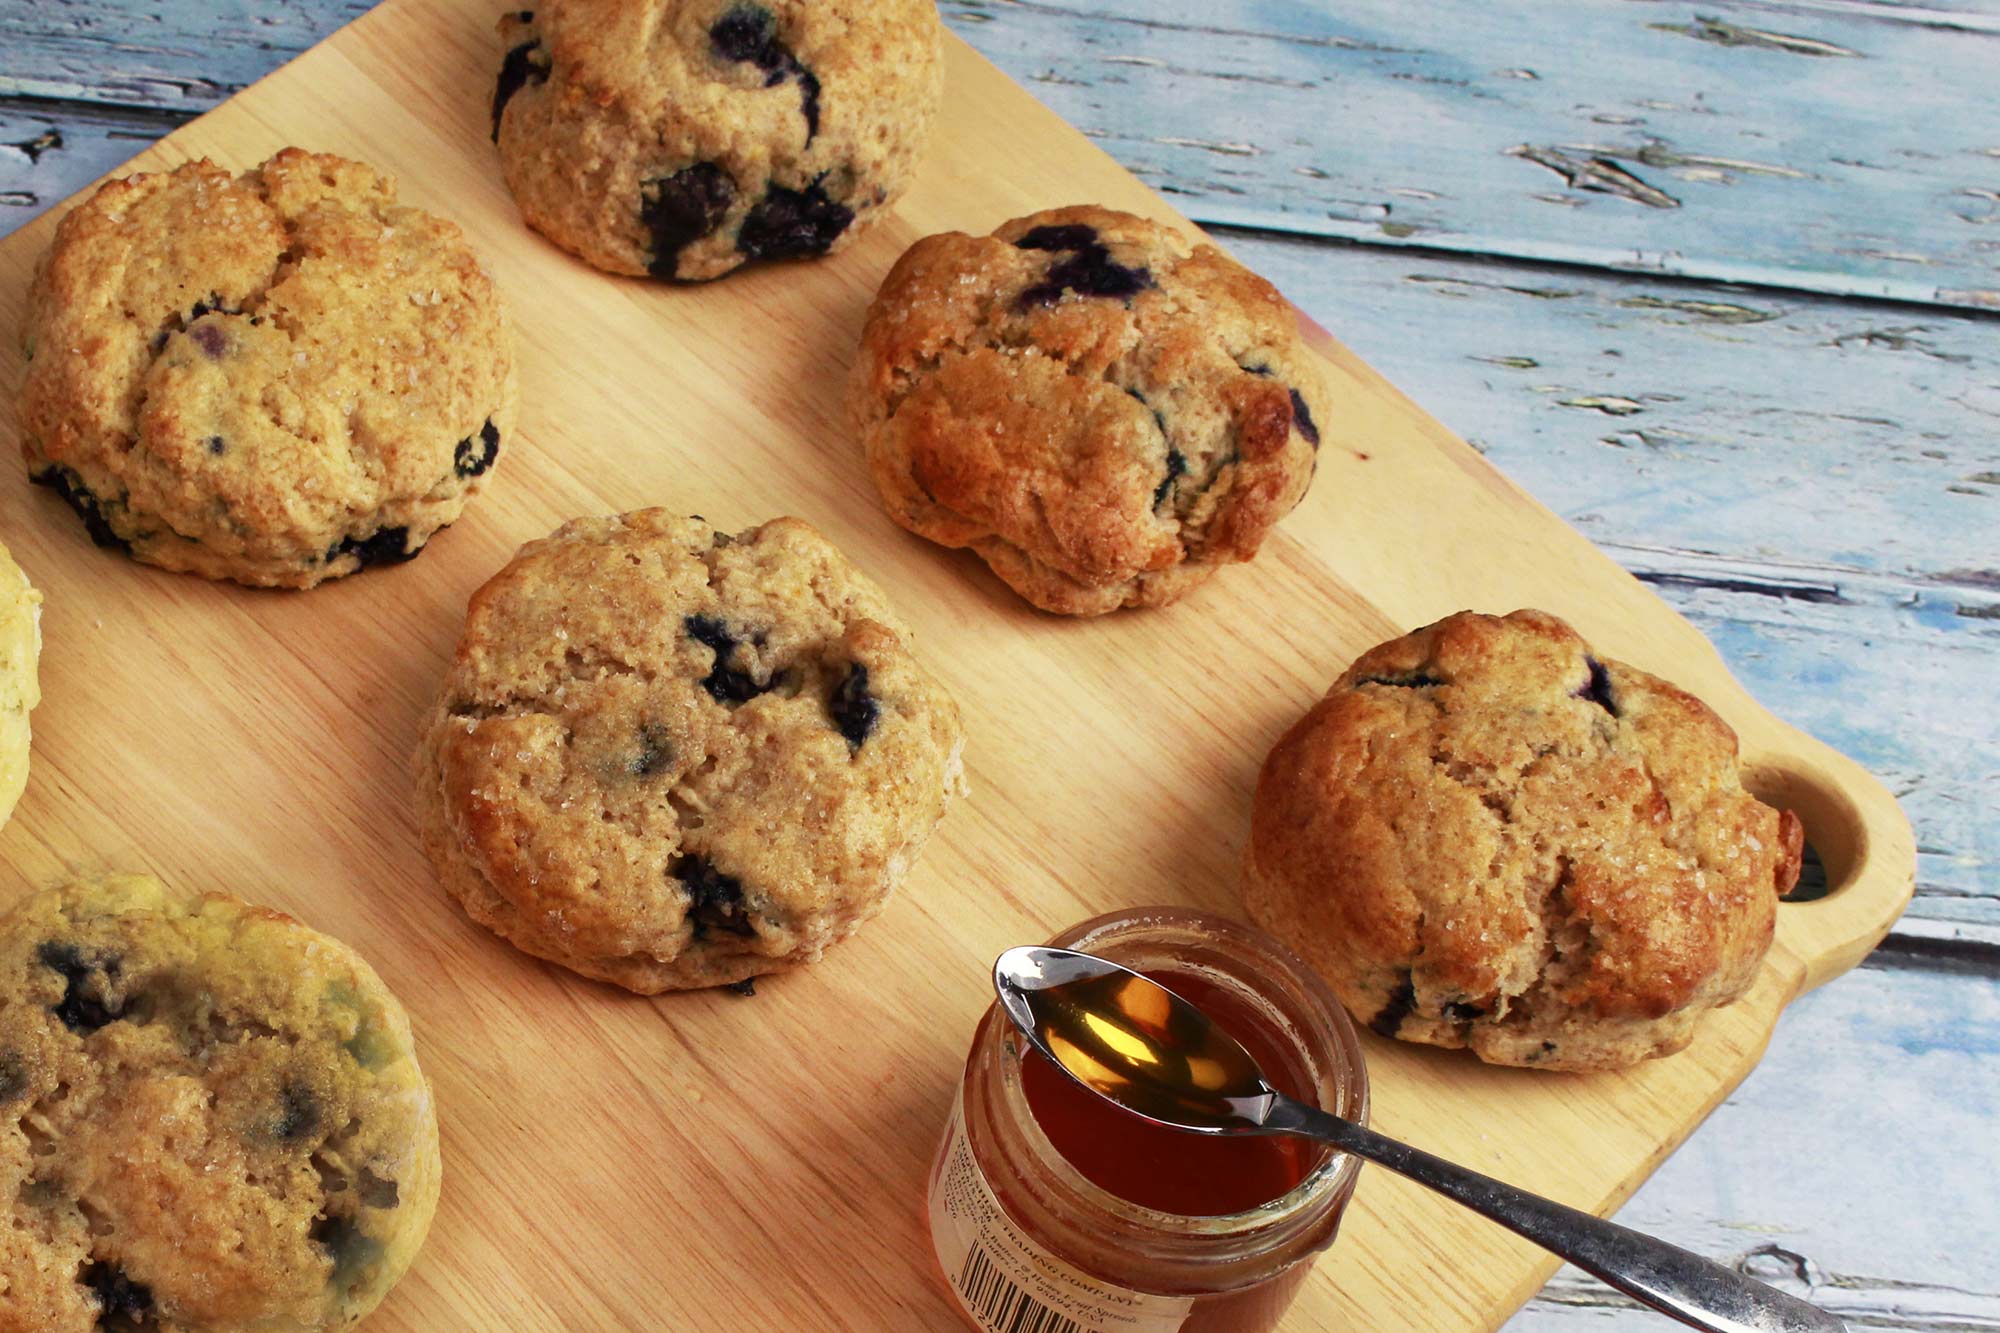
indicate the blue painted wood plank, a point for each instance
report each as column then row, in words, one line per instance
column 177, row 57
column 85, row 84
column 48, row 150
column 1829, row 145
column 1694, row 417
column 1850, row 148
column 1854, row 1167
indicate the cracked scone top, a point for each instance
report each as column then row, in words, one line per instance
column 211, row 1118
column 1486, row 836
column 1100, row 410
column 684, row 138
column 278, row 378
column 670, row 758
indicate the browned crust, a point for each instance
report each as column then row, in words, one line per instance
column 1030, row 435
column 1492, row 861
column 578, row 653
column 351, row 344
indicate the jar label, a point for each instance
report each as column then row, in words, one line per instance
column 1005, row 1281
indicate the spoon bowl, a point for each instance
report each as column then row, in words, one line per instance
column 1132, row 1041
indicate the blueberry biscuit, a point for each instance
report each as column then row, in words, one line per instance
column 671, row 758
column 1486, row 836
column 1103, row 412
column 211, row 1118
column 278, row 378
column 20, row 688
column 683, row 138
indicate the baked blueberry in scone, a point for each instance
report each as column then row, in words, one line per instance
column 671, row 758
column 279, row 377
column 211, row 1118
column 1104, row 412
column 685, row 138
column 1486, row 835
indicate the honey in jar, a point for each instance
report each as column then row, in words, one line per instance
column 1054, row 1211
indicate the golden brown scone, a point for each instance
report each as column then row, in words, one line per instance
column 1486, row 836
column 671, row 758
column 211, row 1118
column 1102, row 411
column 684, row 138
column 279, row 378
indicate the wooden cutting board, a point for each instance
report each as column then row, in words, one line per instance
column 709, row 1161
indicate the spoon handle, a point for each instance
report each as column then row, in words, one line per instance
column 1698, row 1292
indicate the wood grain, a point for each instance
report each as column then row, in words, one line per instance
column 1741, row 139
column 583, row 1126
column 1825, row 1166
column 1744, row 140
column 1619, row 401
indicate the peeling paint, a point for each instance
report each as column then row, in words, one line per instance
column 1444, row 283
column 1596, row 173
column 1197, row 31
column 1971, row 578
column 1708, row 29
column 1609, row 404
column 32, row 149
column 1899, row 339
column 1989, row 214
column 1644, row 439
column 1893, row 256
column 1715, row 312
column 1208, row 146
column 1656, row 153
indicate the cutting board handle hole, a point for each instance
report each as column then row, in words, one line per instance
column 1836, row 837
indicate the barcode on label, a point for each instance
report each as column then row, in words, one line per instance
column 1000, row 1305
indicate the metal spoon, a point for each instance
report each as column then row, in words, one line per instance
column 1134, row 1042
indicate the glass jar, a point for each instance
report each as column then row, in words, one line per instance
column 1025, row 1240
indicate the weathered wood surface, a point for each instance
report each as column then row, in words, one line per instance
column 1855, row 1168
column 1740, row 139
column 1813, row 481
